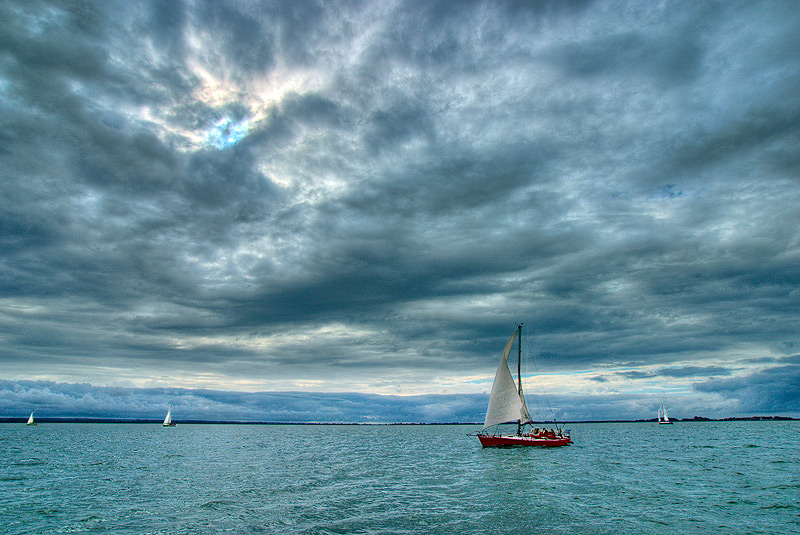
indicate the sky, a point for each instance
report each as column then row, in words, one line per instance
column 339, row 211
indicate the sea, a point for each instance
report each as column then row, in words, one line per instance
column 617, row 478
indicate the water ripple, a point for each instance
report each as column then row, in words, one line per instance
column 196, row 479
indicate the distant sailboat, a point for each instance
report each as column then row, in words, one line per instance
column 507, row 405
column 168, row 420
column 30, row 420
column 662, row 416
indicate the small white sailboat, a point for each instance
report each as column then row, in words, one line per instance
column 168, row 420
column 663, row 418
column 30, row 420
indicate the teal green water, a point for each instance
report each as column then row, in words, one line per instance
column 689, row 478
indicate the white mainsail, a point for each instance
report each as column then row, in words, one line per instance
column 506, row 404
column 30, row 419
column 662, row 415
column 168, row 419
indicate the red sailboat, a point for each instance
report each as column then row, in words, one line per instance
column 507, row 405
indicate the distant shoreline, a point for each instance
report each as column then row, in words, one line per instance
column 234, row 422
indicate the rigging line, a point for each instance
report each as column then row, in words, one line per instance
column 539, row 408
column 539, row 377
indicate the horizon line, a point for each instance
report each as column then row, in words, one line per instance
column 72, row 419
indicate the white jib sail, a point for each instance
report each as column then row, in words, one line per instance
column 505, row 403
column 168, row 419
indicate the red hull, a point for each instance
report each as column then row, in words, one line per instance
column 495, row 441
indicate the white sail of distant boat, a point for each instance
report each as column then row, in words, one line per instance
column 30, row 420
column 168, row 420
column 663, row 418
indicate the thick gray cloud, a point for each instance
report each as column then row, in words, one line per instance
column 771, row 390
column 65, row 400
column 365, row 196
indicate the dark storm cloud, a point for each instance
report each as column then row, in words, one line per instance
column 694, row 371
column 671, row 57
column 184, row 184
column 682, row 371
column 241, row 39
column 773, row 390
column 63, row 400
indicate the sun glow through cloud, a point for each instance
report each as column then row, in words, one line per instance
column 227, row 132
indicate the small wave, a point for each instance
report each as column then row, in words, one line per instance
column 782, row 486
column 48, row 512
column 656, row 521
column 33, row 461
column 780, row 506
column 216, row 504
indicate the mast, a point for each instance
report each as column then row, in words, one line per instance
column 519, row 371
column 519, row 357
